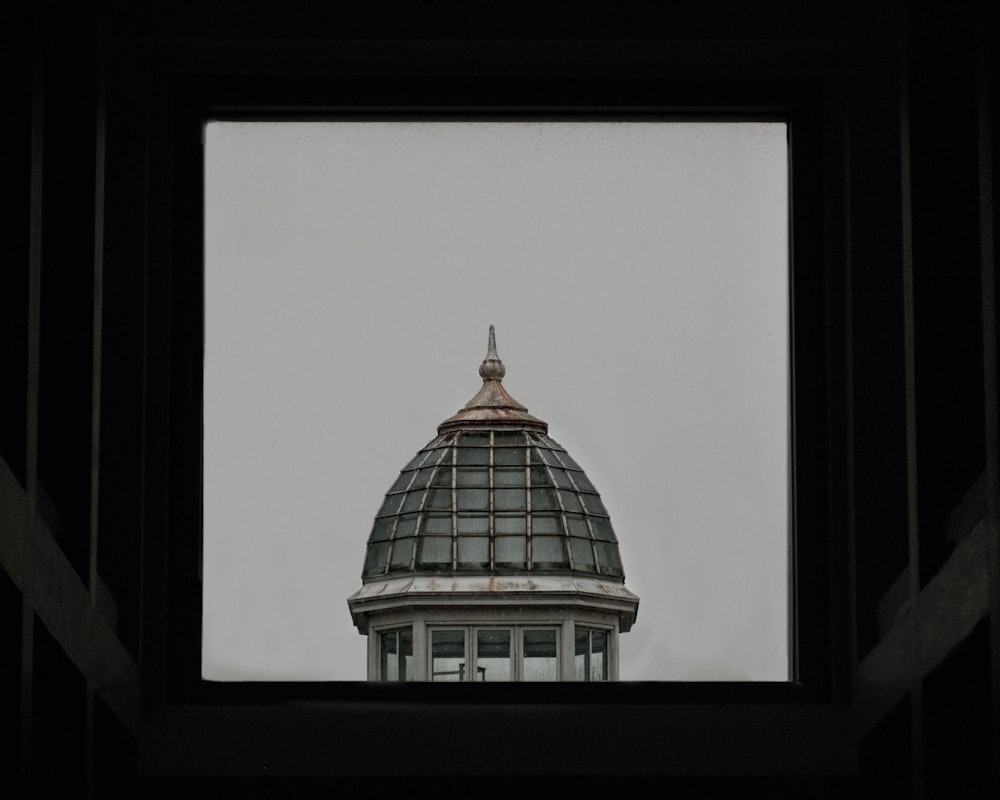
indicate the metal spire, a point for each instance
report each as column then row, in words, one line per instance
column 492, row 407
column 492, row 367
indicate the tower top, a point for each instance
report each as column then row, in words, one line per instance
column 492, row 406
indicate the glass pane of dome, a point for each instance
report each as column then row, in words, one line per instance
column 543, row 500
column 545, row 524
column 437, row 524
column 469, row 523
column 511, row 551
column 412, row 501
column 602, row 529
column 472, row 499
column 583, row 553
column 435, row 552
column 390, row 505
column 473, row 552
column 476, row 477
column 382, row 529
column 402, row 555
column 509, row 456
column 510, row 476
column 570, row 502
column 594, row 504
column 510, row 524
column 406, row 526
column 510, row 499
column 548, row 551
column 608, row 559
column 376, row 558
column 439, row 500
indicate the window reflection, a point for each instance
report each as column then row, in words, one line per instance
column 448, row 655
column 591, row 659
column 493, row 655
column 396, row 655
column 540, row 656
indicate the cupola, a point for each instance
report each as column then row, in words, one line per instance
column 492, row 523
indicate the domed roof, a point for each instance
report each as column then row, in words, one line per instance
column 492, row 493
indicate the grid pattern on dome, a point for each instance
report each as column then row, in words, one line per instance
column 489, row 501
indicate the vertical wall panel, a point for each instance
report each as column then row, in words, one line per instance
column 946, row 270
column 67, row 267
column 10, row 678
column 58, row 718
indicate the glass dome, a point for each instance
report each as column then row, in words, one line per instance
column 492, row 493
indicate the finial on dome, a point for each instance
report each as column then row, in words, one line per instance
column 492, row 407
column 492, row 367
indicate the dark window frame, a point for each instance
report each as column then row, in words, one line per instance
column 804, row 92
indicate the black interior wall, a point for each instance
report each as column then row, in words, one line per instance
column 89, row 638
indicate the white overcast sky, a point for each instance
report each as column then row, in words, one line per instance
column 637, row 275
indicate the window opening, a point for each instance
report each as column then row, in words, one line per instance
column 448, row 656
column 659, row 249
column 541, row 651
column 396, row 655
column 494, row 655
column 591, row 659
